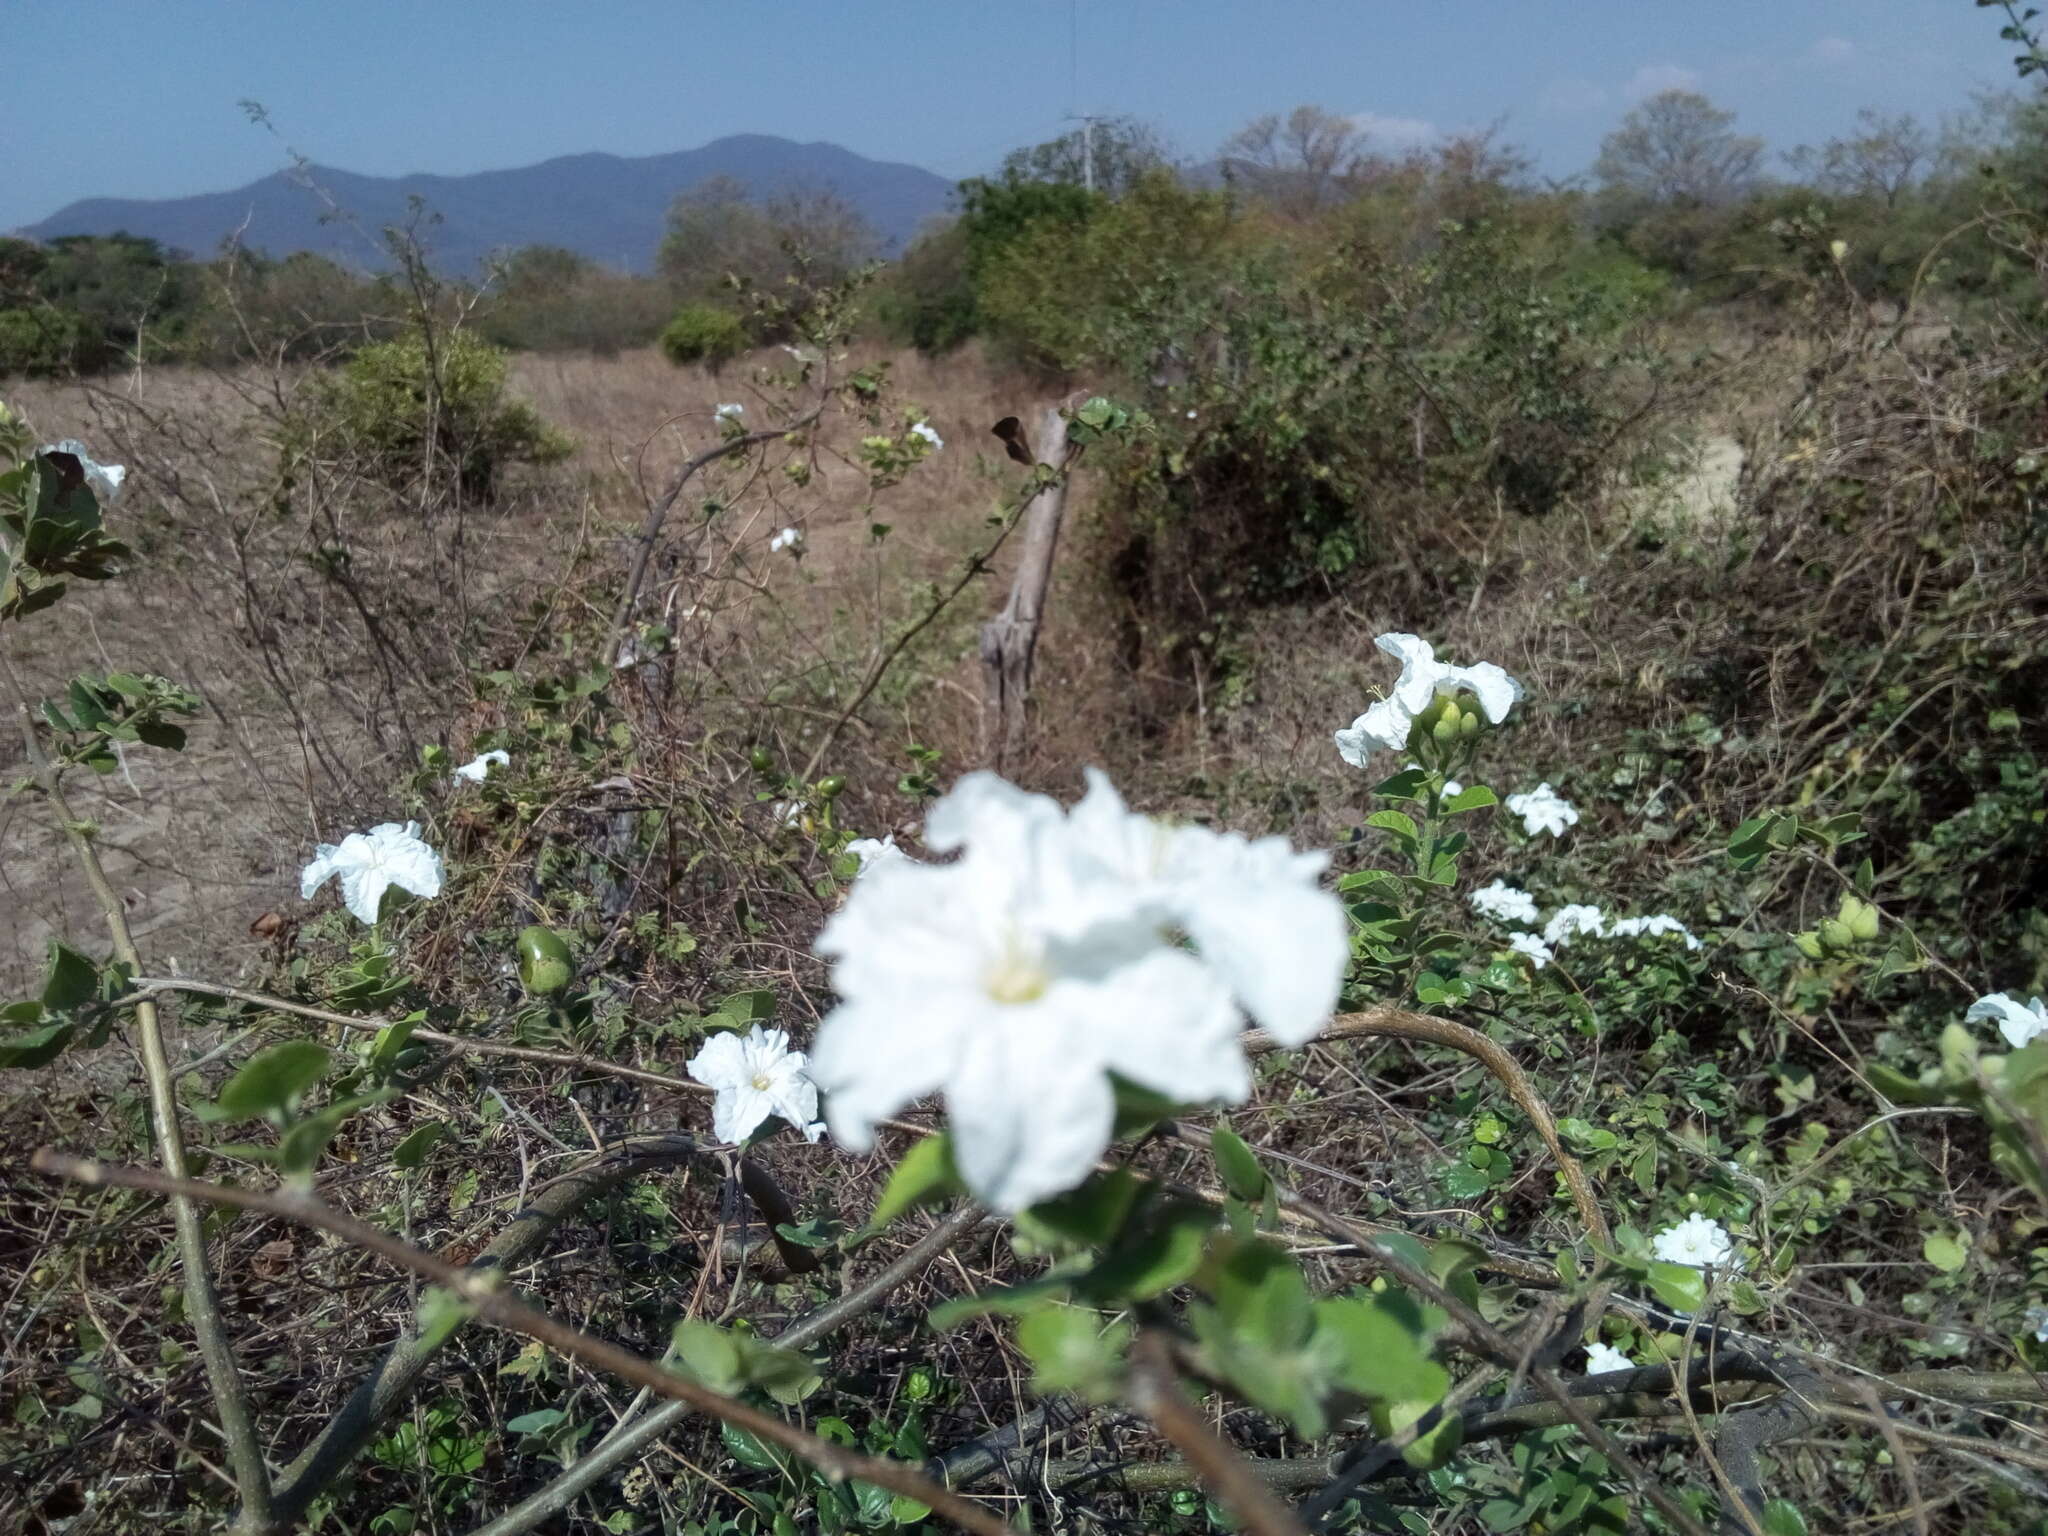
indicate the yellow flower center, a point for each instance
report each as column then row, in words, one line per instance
column 761, row 1081
column 1018, row 975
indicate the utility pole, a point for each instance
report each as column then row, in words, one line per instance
column 1087, row 120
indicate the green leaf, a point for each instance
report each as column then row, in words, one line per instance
column 299, row 1150
column 1679, row 1286
column 1945, row 1253
column 1093, row 1213
column 412, row 1151
column 1378, row 1347
column 71, row 981
column 924, row 1177
column 1238, row 1165
column 748, row 1450
column 1396, row 824
column 709, row 1353
column 36, row 1047
column 1782, row 1518
column 271, row 1082
column 1070, row 1351
column 1473, row 797
column 1163, row 1251
column 538, row 1422
column 1404, row 785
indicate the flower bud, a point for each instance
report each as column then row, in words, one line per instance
column 1862, row 922
column 1835, row 934
column 543, row 961
column 1445, row 729
column 1468, row 723
column 1808, row 945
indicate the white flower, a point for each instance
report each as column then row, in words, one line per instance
column 1245, row 904
column 756, row 1075
column 1698, row 1240
column 1191, row 415
column 1503, row 901
column 1604, row 1358
column 924, row 430
column 730, row 412
column 1566, row 923
column 1387, row 723
column 787, row 813
column 2018, row 1024
column 1016, row 978
column 370, row 863
column 105, row 479
column 791, row 539
column 477, row 769
column 1651, row 927
column 1543, row 809
column 1528, row 944
column 871, row 851
column 2037, row 1319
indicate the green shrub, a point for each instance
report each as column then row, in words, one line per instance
column 703, row 333
column 44, row 342
column 383, row 404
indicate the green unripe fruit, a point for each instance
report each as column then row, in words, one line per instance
column 762, row 760
column 1808, row 945
column 1430, row 1449
column 1835, row 934
column 543, row 960
column 832, row 788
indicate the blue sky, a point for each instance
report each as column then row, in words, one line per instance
column 147, row 107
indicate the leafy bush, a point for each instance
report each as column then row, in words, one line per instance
column 703, row 333
column 41, row 343
column 402, row 410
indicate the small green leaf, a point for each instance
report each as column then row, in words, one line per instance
column 1945, row 1253
column 924, row 1177
column 1070, row 1351
column 709, row 1353
column 36, row 1047
column 749, row 1451
column 1379, row 1348
column 71, row 981
column 1093, row 1213
column 1474, row 797
column 441, row 1313
column 1238, row 1165
column 538, row 1422
column 1164, row 1251
column 412, row 1151
column 1783, row 1519
column 271, row 1082
column 1679, row 1286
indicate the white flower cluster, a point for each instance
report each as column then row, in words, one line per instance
column 2018, row 1022
column 756, row 1075
column 370, row 863
column 1017, row 978
column 1386, row 725
column 1543, row 809
column 1508, row 904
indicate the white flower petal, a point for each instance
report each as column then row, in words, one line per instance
column 1496, row 691
column 2017, row 1022
column 1384, row 727
column 370, row 863
column 871, row 1061
column 1259, row 918
column 1027, row 1122
column 1601, row 1359
column 1698, row 1240
column 1529, row 944
column 1420, row 670
column 1568, row 922
column 924, row 430
column 477, row 769
column 1542, row 809
column 1505, row 902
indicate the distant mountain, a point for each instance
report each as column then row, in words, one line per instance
column 602, row 206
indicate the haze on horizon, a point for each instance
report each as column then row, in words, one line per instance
column 383, row 88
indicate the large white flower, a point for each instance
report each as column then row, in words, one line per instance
column 1543, row 809
column 477, row 769
column 1568, row 922
column 1604, row 1358
column 1652, row 927
column 925, row 430
column 370, row 863
column 1529, row 944
column 1017, row 978
column 105, row 479
column 1698, row 1240
column 1387, row 723
column 756, row 1075
column 791, row 539
column 1505, row 902
column 2018, row 1022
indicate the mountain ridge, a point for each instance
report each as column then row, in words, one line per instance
column 607, row 207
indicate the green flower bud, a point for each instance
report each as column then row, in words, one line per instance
column 1835, row 934
column 1808, row 945
column 543, row 961
column 1468, row 723
column 1862, row 922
